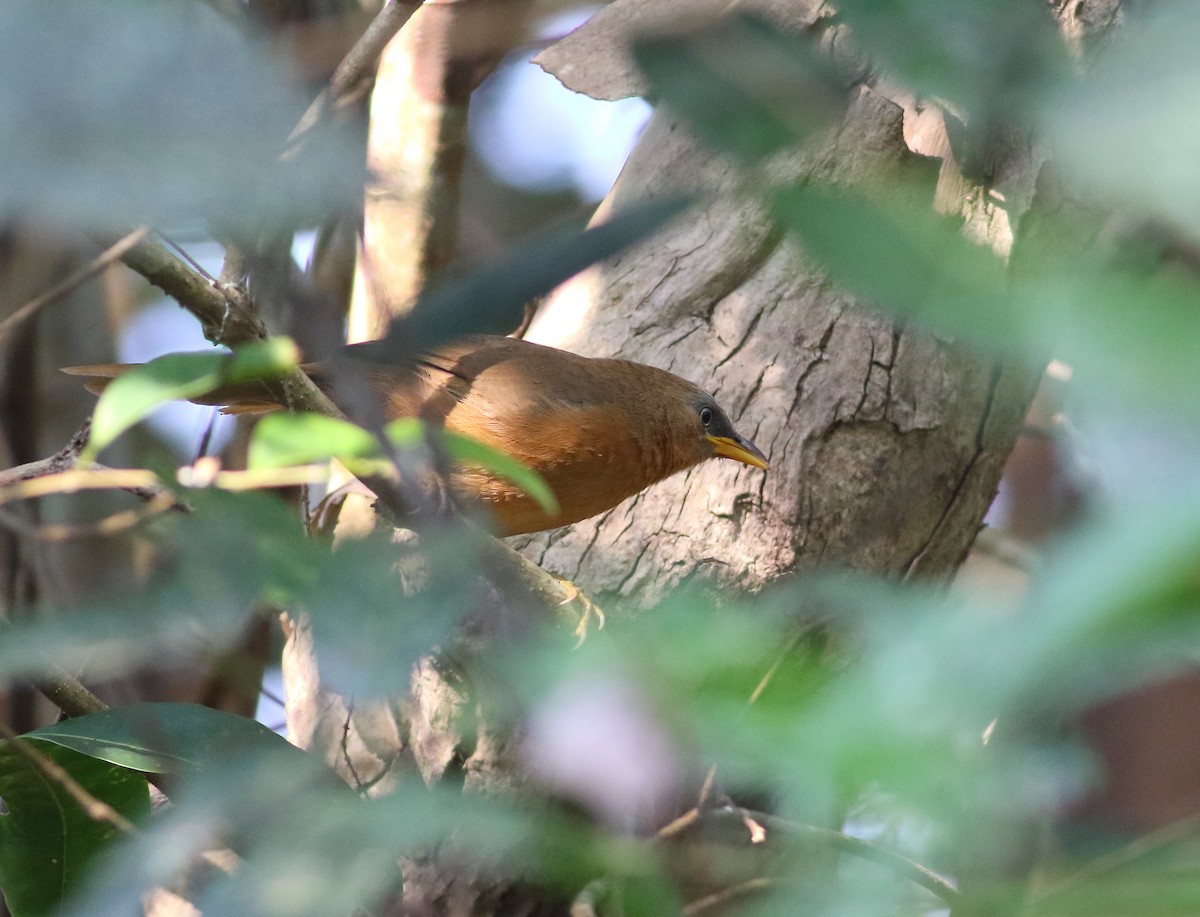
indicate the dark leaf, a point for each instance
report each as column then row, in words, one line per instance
column 493, row 298
column 165, row 738
column 48, row 843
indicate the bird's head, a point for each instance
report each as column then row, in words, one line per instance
column 717, row 435
column 671, row 424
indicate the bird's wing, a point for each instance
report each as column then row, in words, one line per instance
column 477, row 381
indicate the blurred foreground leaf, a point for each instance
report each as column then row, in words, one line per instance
column 329, row 851
column 471, row 453
column 492, row 299
column 1127, row 334
column 747, row 88
column 1120, row 132
column 987, row 57
column 209, row 569
column 280, row 440
column 378, row 607
column 120, row 112
column 294, row 439
column 907, row 259
column 178, row 377
column 235, row 551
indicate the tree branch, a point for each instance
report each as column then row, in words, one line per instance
column 226, row 315
column 355, row 71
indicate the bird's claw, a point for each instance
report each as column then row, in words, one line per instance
column 587, row 610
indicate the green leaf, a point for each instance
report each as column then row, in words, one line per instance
column 746, row 87
column 180, row 376
column 295, row 439
column 987, row 56
column 164, row 738
column 267, row 359
column 129, row 398
column 47, row 842
column 464, row 450
column 280, row 440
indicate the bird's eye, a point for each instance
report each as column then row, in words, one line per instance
column 706, row 416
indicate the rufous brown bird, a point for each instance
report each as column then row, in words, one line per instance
column 597, row 430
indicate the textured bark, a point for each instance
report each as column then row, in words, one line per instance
column 886, row 443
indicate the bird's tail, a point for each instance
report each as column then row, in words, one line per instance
column 251, row 397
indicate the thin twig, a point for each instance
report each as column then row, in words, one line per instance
column 708, row 789
column 64, row 458
column 71, row 282
column 680, row 824
column 219, row 308
column 186, row 256
column 587, row 902
column 828, row 837
column 772, row 669
column 256, row 479
column 234, row 268
column 95, row 809
column 864, row 850
column 59, row 474
column 1125, row 854
column 40, row 479
column 65, row 691
column 355, row 71
column 73, row 480
column 725, row 895
column 60, row 469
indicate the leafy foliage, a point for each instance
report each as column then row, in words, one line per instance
column 179, row 376
column 293, row 439
column 931, row 721
column 163, row 738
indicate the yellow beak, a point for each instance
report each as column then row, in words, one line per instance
column 740, row 450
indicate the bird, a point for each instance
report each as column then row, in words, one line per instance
column 597, row 430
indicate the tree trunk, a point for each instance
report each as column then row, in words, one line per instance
column 886, row 443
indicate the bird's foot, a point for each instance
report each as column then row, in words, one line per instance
column 587, row 609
